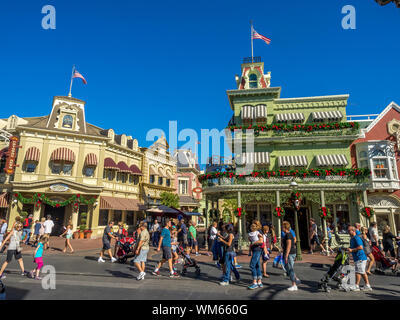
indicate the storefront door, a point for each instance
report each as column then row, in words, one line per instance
column 302, row 218
column 58, row 216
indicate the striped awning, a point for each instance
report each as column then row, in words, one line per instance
column 327, row 115
column 283, row 117
column 253, row 158
column 113, row 203
column 135, row 170
column 292, row 161
column 3, row 200
column 110, row 164
column 260, row 111
column 63, row 154
column 123, row 167
column 32, row 154
column 332, row 160
column 247, row 112
column 91, row 160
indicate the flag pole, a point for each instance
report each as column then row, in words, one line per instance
column 72, row 78
column 251, row 36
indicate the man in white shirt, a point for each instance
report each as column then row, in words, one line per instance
column 373, row 234
column 48, row 227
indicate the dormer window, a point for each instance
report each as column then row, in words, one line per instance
column 253, row 81
column 67, row 121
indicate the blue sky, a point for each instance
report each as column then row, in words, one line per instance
column 148, row 62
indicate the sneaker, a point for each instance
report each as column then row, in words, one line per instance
column 174, row 275
column 238, row 266
column 367, row 288
column 100, row 260
column 355, row 288
column 25, row 273
column 140, row 276
column 253, row 286
column 2, row 277
column 260, row 285
column 156, row 273
column 197, row 254
column 113, row 259
column 293, row 288
column 224, row 283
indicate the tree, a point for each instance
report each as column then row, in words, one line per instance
column 169, row 199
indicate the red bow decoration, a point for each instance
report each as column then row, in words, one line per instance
column 239, row 211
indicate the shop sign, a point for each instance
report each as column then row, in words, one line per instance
column 11, row 156
column 59, row 187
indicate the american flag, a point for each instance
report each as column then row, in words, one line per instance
column 256, row 35
column 78, row 75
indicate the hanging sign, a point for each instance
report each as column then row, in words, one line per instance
column 11, row 156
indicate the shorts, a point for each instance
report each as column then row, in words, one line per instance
column 39, row 263
column 11, row 253
column 192, row 242
column 360, row 266
column 166, row 253
column 142, row 256
column 106, row 245
column 315, row 240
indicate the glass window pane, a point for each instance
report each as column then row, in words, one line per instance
column 103, row 217
column 89, row 171
column 56, row 168
column 67, row 169
column 30, row 167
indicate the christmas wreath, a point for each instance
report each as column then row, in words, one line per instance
column 295, row 199
column 367, row 212
column 279, row 212
column 239, row 212
column 325, row 212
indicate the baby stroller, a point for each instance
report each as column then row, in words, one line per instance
column 382, row 263
column 336, row 272
column 125, row 250
column 188, row 262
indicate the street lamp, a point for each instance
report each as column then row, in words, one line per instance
column 293, row 185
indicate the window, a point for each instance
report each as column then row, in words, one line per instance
column 56, row 168
column 253, row 83
column 129, row 217
column 160, row 181
column 111, row 175
column 67, row 121
column 380, row 168
column 103, row 217
column 30, row 167
column 168, row 182
column 121, row 177
column 342, row 217
column 61, row 167
column 89, row 171
column 183, row 186
column 67, row 169
column 117, row 216
column 152, row 178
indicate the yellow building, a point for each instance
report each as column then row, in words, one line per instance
column 67, row 167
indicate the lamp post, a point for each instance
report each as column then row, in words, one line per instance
column 293, row 185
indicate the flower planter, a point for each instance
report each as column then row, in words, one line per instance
column 76, row 235
column 88, row 235
column 81, row 235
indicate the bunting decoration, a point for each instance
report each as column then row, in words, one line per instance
column 39, row 198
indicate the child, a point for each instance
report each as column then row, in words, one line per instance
column 68, row 235
column 38, row 258
column 36, row 233
column 174, row 245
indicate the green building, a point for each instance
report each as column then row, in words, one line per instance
column 300, row 144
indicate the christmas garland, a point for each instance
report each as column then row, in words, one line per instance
column 38, row 199
column 325, row 212
column 297, row 173
column 367, row 212
column 295, row 196
column 279, row 212
column 239, row 212
column 282, row 127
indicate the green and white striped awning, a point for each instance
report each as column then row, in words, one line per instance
column 292, row 161
column 332, row 160
column 327, row 115
column 254, row 112
column 283, row 117
column 259, row 158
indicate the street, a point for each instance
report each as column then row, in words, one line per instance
column 82, row 277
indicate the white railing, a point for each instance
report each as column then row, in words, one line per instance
column 363, row 117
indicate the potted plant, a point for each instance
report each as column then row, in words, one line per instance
column 81, row 231
column 88, row 233
column 76, row 234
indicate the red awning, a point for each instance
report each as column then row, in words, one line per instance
column 119, row 203
column 3, row 200
column 110, row 164
column 91, row 160
column 32, row 154
column 63, row 154
column 135, row 170
column 123, row 167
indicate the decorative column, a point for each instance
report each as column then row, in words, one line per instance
column 365, row 200
column 324, row 223
column 206, row 231
column 335, row 218
column 278, row 204
column 74, row 218
column 392, row 221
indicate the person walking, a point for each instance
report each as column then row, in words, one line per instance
column 387, row 241
column 13, row 249
column 229, row 254
column 289, row 254
column 360, row 259
column 165, row 244
column 314, row 240
column 3, row 230
column 256, row 241
column 26, row 233
column 183, row 233
column 373, row 234
column 107, row 236
column 142, row 250
column 266, row 251
column 155, row 233
column 68, row 236
column 213, row 238
column 48, row 228
column 38, row 259
column 367, row 249
column 192, row 237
